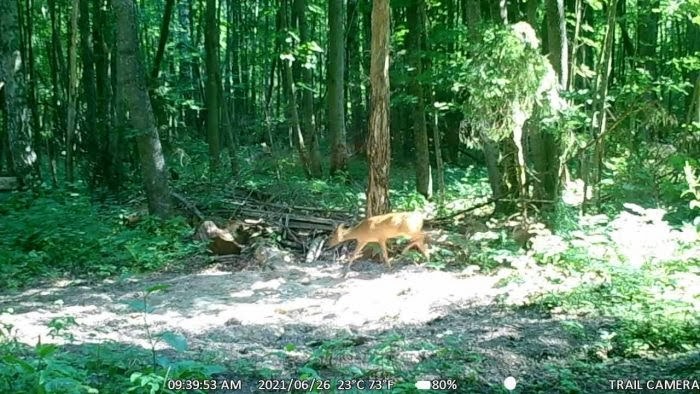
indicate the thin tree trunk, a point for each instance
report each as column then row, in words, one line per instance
column 336, row 84
column 420, row 135
column 211, row 47
column 103, row 93
column 89, row 133
column 72, row 91
column 599, row 118
column 353, row 67
column 307, row 98
column 297, row 137
column 164, row 32
column 31, row 88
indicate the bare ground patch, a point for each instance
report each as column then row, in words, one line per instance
column 414, row 317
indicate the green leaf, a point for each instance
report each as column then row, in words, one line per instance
column 11, row 359
column 46, row 350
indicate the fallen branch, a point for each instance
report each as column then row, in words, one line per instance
column 190, row 207
column 454, row 214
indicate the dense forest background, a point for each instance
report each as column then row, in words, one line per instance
column 562, row 133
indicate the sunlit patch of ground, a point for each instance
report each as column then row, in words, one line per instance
column 254, row 315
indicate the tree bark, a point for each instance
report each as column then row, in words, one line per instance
column 132, row 82
column 163, row 39
column 544, row 146
column 379, row 143
column 353, row 67
column 12, row 80
column 103, row 92
column 58, row 117
column 72, row 91
column 31, row 87
column 420, row 135
column 89, row 129
column 557, row 40
column 308, row 121
column 336, row 85
column 211, row 47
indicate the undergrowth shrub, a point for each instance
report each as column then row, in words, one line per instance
column 63, row 233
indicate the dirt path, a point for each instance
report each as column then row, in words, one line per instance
column 254, row 315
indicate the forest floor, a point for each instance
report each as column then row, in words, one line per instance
column 410, row 321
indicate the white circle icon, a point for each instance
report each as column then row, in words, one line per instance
column 510, row 383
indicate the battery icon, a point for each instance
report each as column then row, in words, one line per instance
column 423, row 385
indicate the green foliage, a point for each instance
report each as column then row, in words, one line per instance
column 63, row 234
column 505, row 72
column 642, row 321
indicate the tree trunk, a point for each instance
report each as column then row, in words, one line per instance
column 503, row 11
column 211, row 47
column 599, row 116
column 132, row 82
column 72, row 91
column 31, row 88
column 557, row 40
column 17, row 114
column 379, row 144
column 296, row 136
column 89, row 129
column 103, row 92
column 353, row 62
column 156, row 100
column 58, row 118
column 307, row 99
column 420, row 135
column 544, row 145
column 647, row 33
column 163, row 38
column 336, row 85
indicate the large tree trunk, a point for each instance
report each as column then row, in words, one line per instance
column 378, row 144
column 211, row 47
column 424, row 181
column 336, row 85
column 12, row 85
column 132, row 81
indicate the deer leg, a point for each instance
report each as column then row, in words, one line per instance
column 418, row 242
column 355, row 255
column 385, row 255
